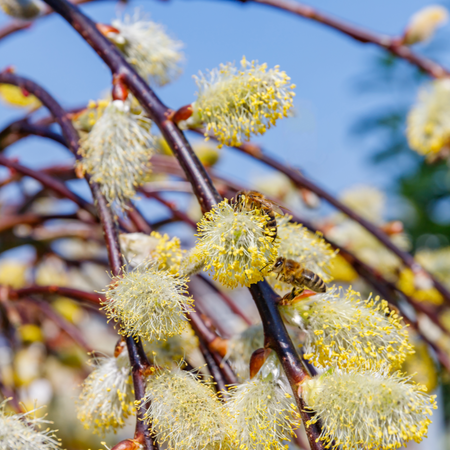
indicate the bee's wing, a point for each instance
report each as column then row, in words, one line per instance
column 277, row 207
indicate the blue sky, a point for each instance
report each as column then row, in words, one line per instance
column 321, row 62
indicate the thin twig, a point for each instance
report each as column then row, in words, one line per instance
column 22, row 128
column 10, row 221
column 210, row 339
column 69, row 328
column 49, row 183
column 138, row 359
column 176, row 212
column 76, row 294
column 19, row 25
column 388, row 43
column 227, row 300
column 301, row 181
column 204, row 190
column 213, row 368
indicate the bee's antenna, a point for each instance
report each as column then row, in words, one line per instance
column 268, row 264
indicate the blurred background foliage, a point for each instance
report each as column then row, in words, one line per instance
column 423, row 188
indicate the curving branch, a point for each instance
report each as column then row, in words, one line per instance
column 213, row 343
column 301, row 181
column 89, row 298
column 19, row 25
column 393, row 45
column 265, row 298
column 9, row 221
column 176, row 212
column 138, row 359
column 67, row 327
column 49, row 183
column 22, row 128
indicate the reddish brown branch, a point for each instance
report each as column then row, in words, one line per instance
column 138, row 359
column 207, row 195
column 69, row 328
column 138, row 220
column 301, row 181
column 390, row 44
column 9, row 221
column 211, row 340
column 49, row 183
column 232, row 305
column 22, row 128
column 82, row 296
column 213, row 368
column 176, row 212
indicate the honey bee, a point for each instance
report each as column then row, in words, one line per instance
column 292, row 272
column 254, row 199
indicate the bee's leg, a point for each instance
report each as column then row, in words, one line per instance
column 291, row 295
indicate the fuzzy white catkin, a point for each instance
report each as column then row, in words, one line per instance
column 147, row 46
column 343, row 329
column 116, row 152
column 263, row 410
column 368, row 410
column 106, row 399
column 424, row 23
column 23, row 432
column 428, row 130
column 235, row 244
column 305, row 247
column 192, row 263
column 185, row 413
column 236, row 102
column 149, row 302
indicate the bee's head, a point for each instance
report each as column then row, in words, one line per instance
column 278, row 265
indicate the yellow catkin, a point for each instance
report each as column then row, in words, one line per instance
column 406, row 283
column 357, row 409
column 305, row 247
column 15, row 96
column 148, row 302
column 25, row 431
column 344, row 330
column 168, row 252
column 185, row 413
column 235, row 244
column 428, row 128
column 263, row 410
column 235, row 103
column 107, row 397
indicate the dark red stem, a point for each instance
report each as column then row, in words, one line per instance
column 201, row 183
column 213, row 368
column 49, row 183
column 76, row 294
column 390, row 44
column 66, row 326
column 138, row 359
column 301, row 181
